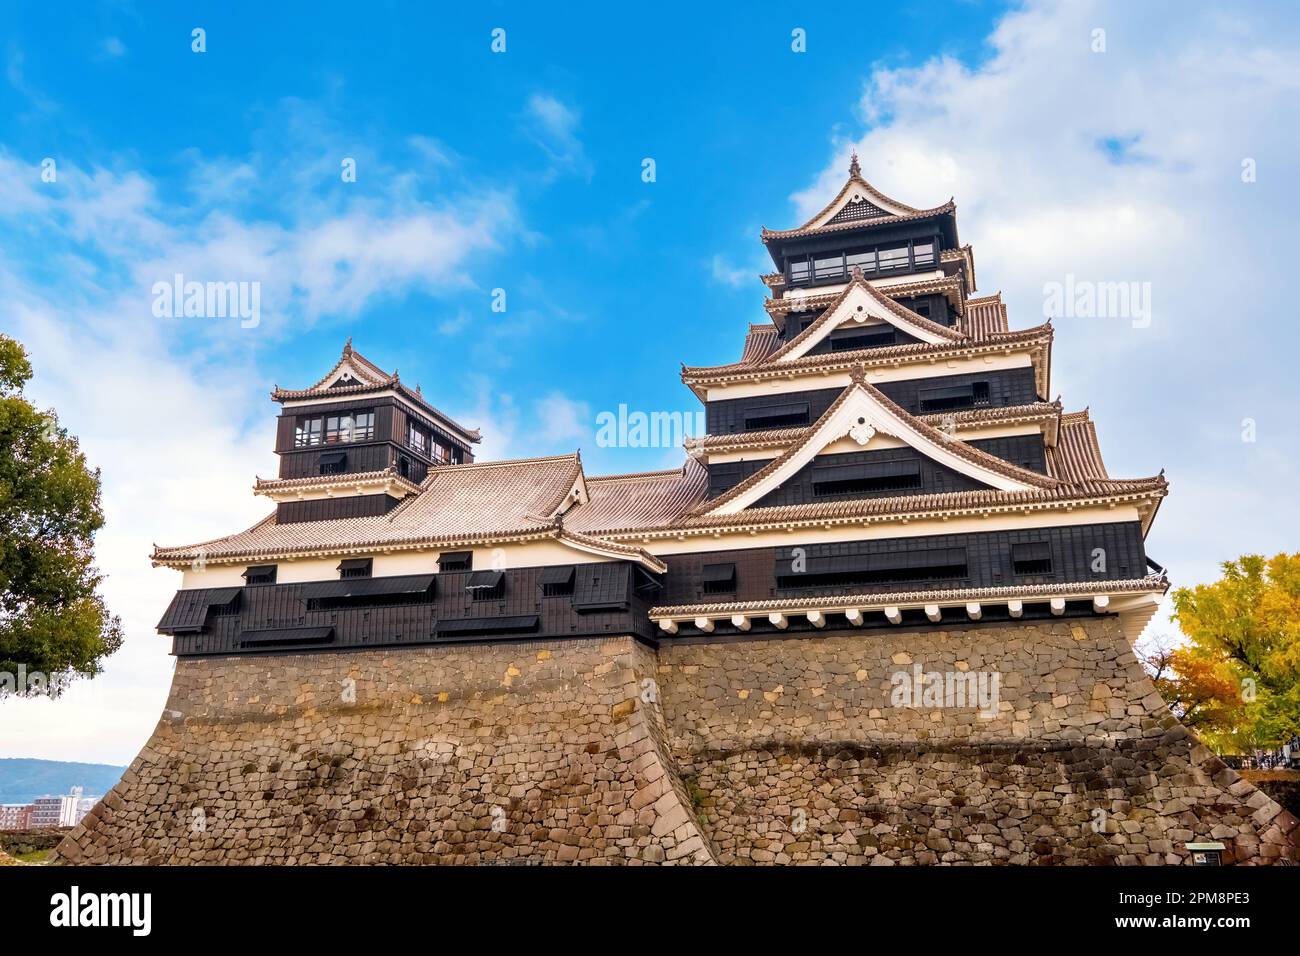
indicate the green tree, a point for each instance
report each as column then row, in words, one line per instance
column 1241, row 664
column 53, row 623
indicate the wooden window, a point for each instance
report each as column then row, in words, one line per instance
column 354, row 426
column 486, row 586
column 869, row 338
column 890, row 567
column 829, row 480
column 865, row 259
column 418, row 439
column 828, row 266
column 368, row 592
column 307, row 432
column 923, row 252
column 893, row 257
column 1034, row 557
column 456, row 561
column 799, row 271
column 333, row 462
column 556, row 582
column 259, row 574
column 356, row 567
column 777, row 416
column 951, row 397
column 719, row 578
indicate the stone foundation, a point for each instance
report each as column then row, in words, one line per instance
column 515, row 754
column 759, row 751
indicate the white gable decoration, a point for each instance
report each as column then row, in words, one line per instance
column 861, row 417
column 858, row 307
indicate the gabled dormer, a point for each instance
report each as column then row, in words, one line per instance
column 862, row 228
column 865, row 446
column 357, row 442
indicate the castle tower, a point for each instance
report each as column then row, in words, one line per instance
column 890, row 594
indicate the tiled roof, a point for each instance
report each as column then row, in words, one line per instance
column 370, row 378
column 650, row 500
column 760, row 343
column 907, row 507
column 985, row 316
column 518, row 500
column 610, row 548
column 770, row 235
column 455, row 503
column 887, row 355
column 269, row 485
column 1077, row 456
column 974, row 417
column 895, row 210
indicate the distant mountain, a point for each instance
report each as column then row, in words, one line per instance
column 23, row 779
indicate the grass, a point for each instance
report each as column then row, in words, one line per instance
column 33, row 856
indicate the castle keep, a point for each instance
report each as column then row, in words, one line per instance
column 883, row 614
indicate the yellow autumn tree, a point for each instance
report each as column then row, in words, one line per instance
column 1237, row 679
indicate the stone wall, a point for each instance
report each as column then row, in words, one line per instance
column 515, row 754
column 757, row 751
column 1281, row 785
column 17, row 842
column 798, row 751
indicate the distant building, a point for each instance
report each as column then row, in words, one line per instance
column 15, row 816
column 61, row 811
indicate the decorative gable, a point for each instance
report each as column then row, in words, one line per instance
column 862, row 304
column 857, row 209
column 866, row 417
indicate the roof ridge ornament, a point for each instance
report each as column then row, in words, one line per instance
column 855, row 171
column 347, row 347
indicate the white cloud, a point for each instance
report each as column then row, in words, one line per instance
column 731, row 275
column 113, row 47
column 174, row 412
column 562, row 421
column 553, row 126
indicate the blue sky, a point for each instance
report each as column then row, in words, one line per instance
column 522, row 171
column 604, row 273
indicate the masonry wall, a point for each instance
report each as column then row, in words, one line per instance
column 795, row 751
column 538, row 752
column 756, row 751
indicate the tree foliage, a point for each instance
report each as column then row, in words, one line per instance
column 53, row 622
column 1237, row 679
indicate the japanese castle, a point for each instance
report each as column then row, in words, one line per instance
column 885, row 453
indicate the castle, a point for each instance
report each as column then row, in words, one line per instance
column 883, row 615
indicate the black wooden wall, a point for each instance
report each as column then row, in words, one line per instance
column 1007, row 387
column 1024, row 450
column 987, row 554
column 284, row 607
column 323, row 509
